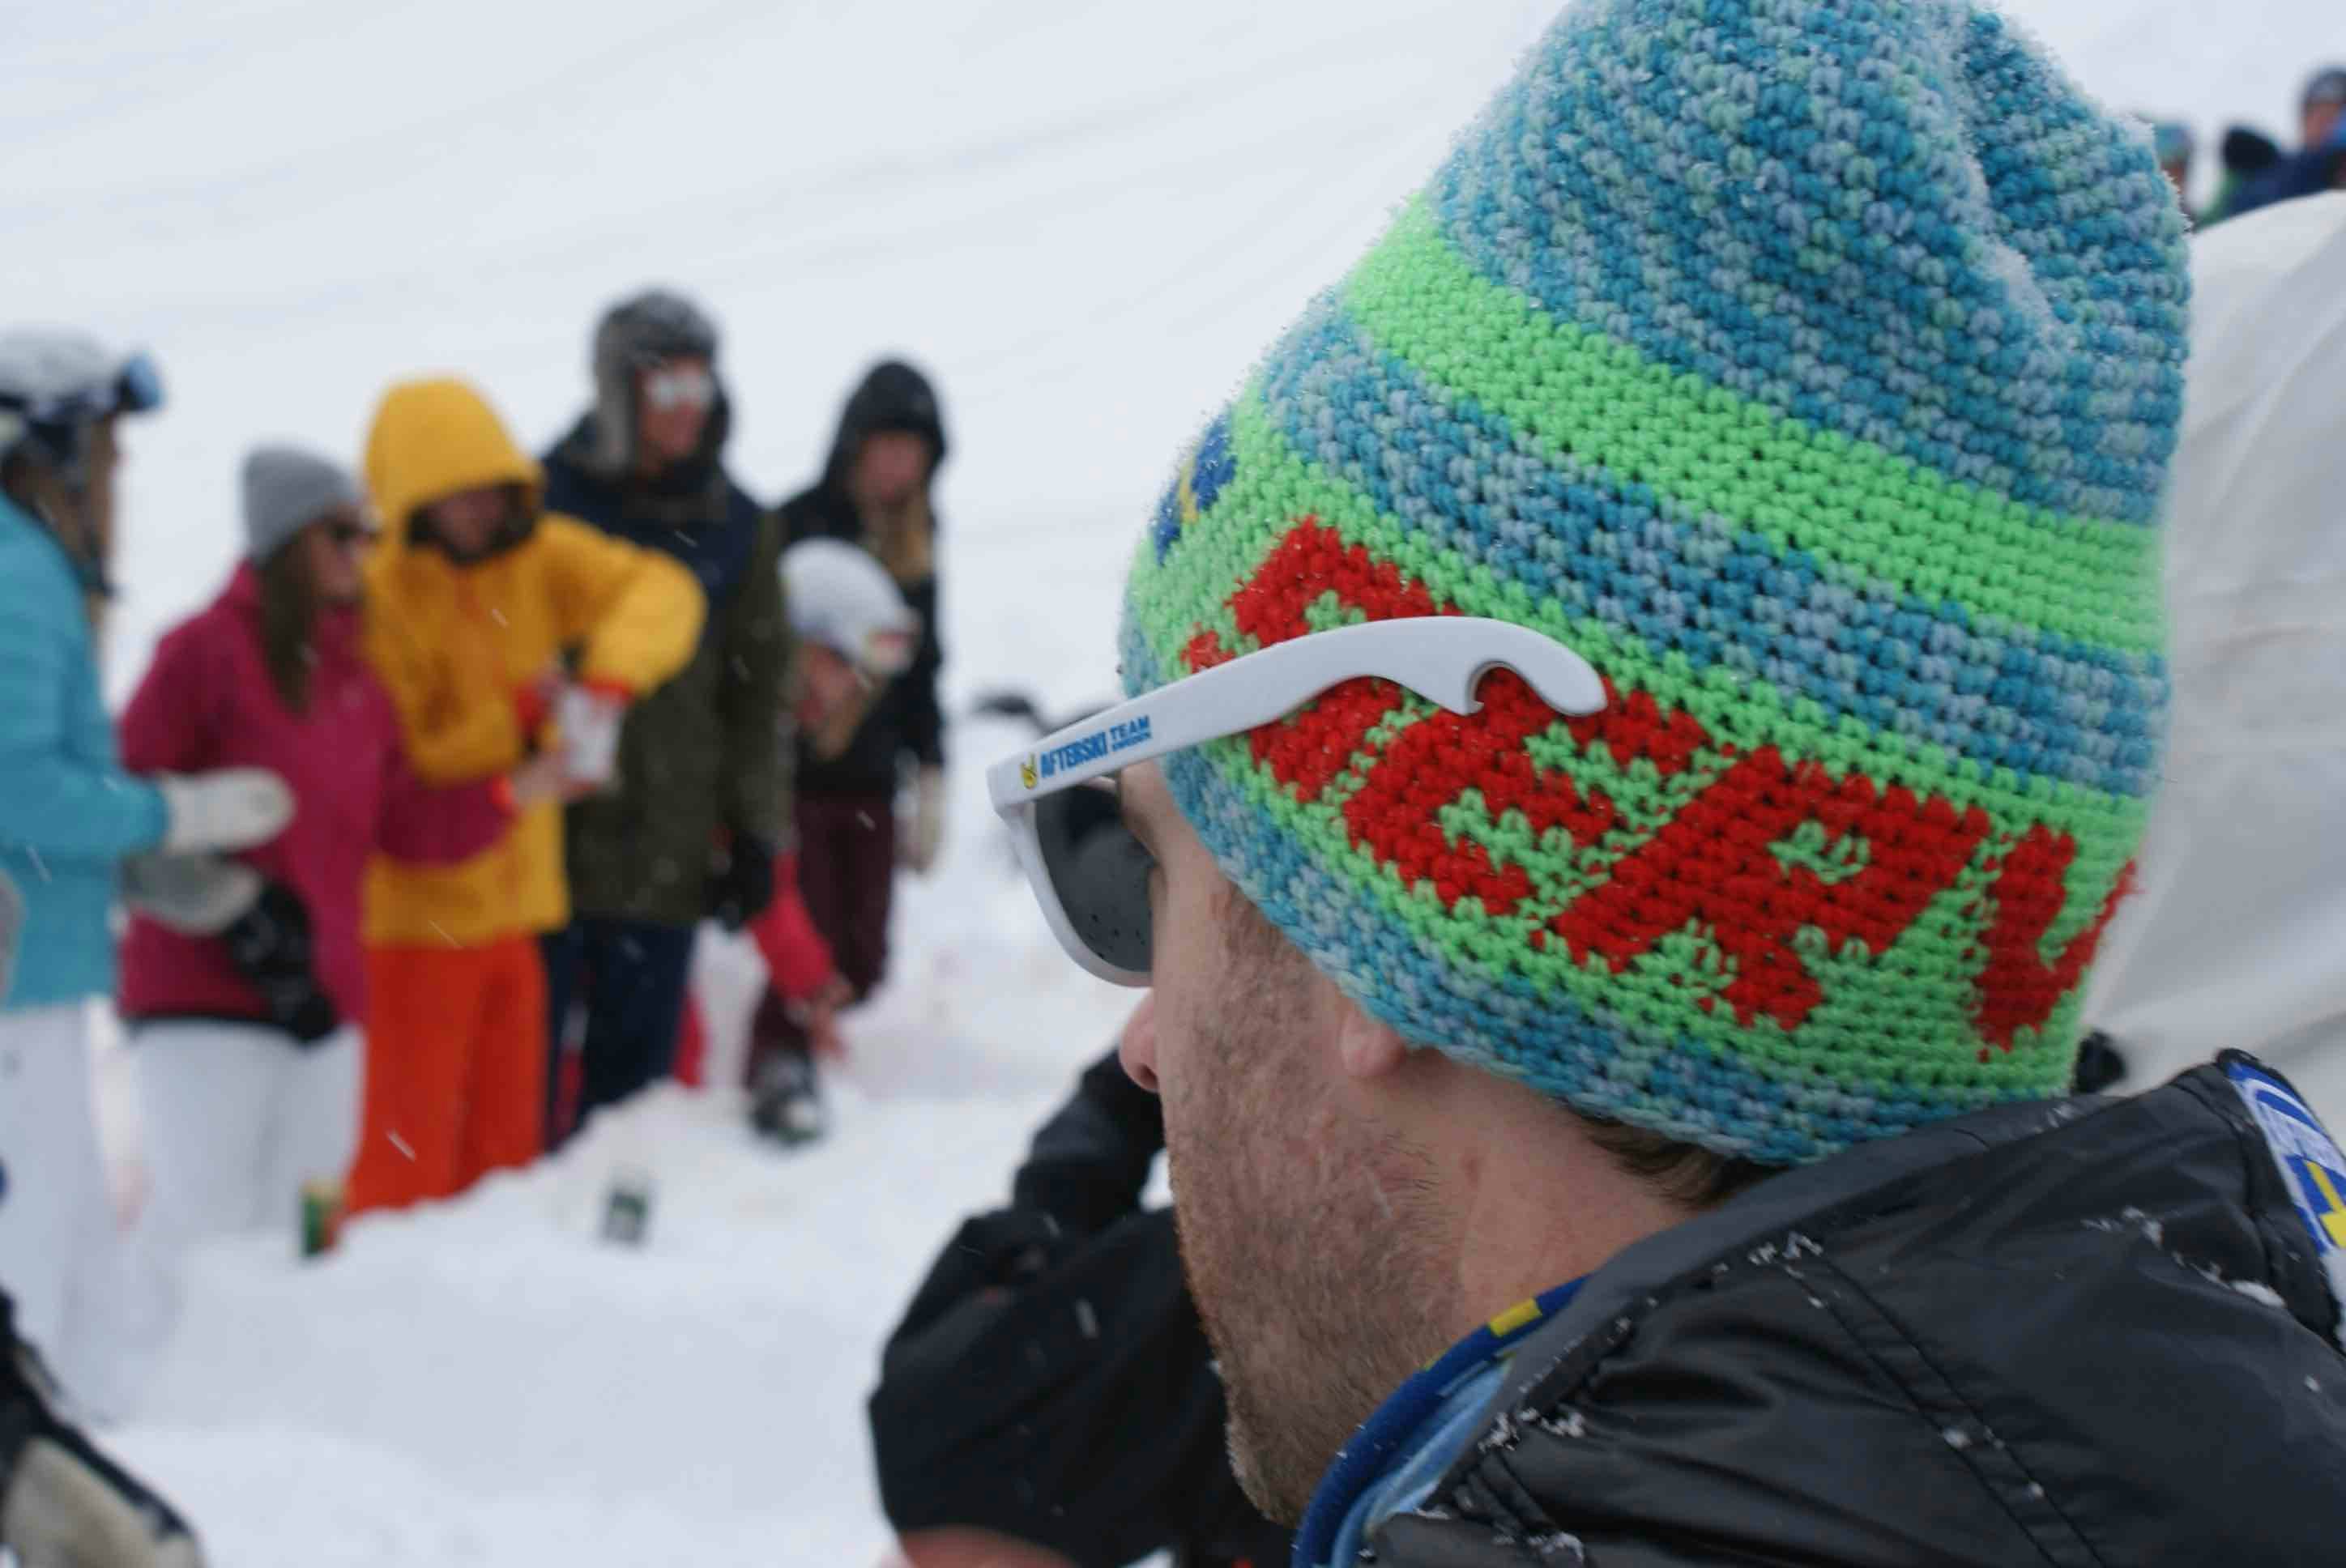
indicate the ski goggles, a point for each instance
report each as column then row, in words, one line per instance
column 1088, row 870
column 130, row 385
column 680, row 386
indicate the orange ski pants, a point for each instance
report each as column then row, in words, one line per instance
column 455, row 1070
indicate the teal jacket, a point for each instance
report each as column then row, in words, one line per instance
column 69, row 812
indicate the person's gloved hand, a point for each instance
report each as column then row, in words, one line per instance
column 270, row 944
column 1090, row 1163
column 540, row 778
column 231, row 808
column 925, row 835
column 589, row 714
column 195, row 895
column 743, row 882
column 63, row 1505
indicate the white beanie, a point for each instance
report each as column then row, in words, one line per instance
column 841, row 598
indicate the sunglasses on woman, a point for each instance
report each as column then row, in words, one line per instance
column 1090, row 874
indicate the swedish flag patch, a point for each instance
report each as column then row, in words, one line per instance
column 2310, row 1162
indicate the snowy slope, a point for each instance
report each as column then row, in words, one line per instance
column 1085, row 219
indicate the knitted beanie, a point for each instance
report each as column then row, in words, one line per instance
column 1811, row 367
column 287, row 489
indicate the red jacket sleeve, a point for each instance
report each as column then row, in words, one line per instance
column 798, row 961
column 435, row 824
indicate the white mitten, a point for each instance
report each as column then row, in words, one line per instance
column 231, row 808
column 195, row 895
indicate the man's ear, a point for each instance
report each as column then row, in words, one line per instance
column 1367, row 1048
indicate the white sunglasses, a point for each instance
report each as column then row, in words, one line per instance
column 679, row 387
column 1090, row 874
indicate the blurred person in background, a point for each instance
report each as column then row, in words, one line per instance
column 856, row 635
column 1617, row 897
column 487, row 616
column 702, row 802
column 2175, row 145
column 2318, row 163
column 1049, row 1384
column 875, row 494
column 63, row 1505
column 247, row 1038
column 2237, row 936
column 2245, row 153
column 70, row 813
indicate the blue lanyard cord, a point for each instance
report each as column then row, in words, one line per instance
column 1362, row 1460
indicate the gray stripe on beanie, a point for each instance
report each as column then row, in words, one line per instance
column 287, row 489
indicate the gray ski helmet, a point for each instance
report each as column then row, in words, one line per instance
column 56, row 383
column 644, row 330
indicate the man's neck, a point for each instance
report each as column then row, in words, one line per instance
column 1534, row 1202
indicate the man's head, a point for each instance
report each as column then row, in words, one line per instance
column 673, row 399
column 659, row 404
column 445, row 475
column 1450, row 1005
column 2324, row 107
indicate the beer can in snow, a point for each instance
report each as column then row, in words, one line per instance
column 321, row 1215
column 627, row 1213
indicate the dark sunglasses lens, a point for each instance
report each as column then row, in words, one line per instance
column 1099, row 870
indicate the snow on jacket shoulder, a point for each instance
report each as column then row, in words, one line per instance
column 68, row 812
column 207, row 701
column 2089, row 1332
column 2234, row 938
column 454, row 644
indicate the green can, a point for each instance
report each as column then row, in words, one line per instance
column 321, row 1215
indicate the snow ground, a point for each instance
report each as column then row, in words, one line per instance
column 1085, row 219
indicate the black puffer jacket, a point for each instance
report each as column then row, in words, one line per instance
column 1050, row 1380
column 2091, row 1333
column 905, row 721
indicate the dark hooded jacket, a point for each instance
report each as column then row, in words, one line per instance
column 2088, row 1333
column 703, row 752
column 1050, row 1380
column 906, row 722
column 2300, row 174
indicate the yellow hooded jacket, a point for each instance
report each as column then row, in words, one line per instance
column 456, row 643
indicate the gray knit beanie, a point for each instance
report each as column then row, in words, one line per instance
column 287, row 489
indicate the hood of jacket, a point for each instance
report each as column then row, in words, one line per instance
column 2084, row 1332
column 434, row 438
column 893, row 396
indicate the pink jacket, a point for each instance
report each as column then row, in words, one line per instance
column 207, row 701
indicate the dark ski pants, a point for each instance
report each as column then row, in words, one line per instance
column 626, row 980
column 847, row 875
